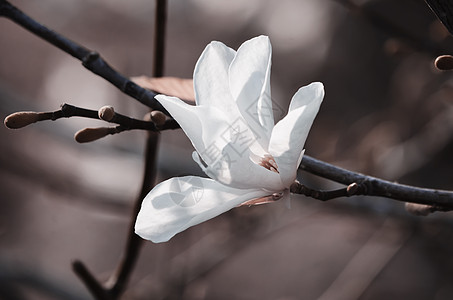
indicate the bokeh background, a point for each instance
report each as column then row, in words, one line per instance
column 387, row 113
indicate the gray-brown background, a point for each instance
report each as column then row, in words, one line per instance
column 387, row 113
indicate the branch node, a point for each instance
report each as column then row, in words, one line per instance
column 352, row 189
column 89, row 58
column 65, row 111
column 90, row 281
column 128, row 86
column 355, row 189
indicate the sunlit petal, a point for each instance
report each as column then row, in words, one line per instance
column 203, row 125
column 289, row 135
column 250, row 86
column 223, row 145
column 237, row 145
column 240, row 171
column 181, row 202
column 311, row 94
column 211, row 77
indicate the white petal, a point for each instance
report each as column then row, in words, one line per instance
column 289, row 135
column 240, row 171
column 205, row 126
column 210, row 76
column 307, row 95
column 250, row 86
column 223, row 144
column 181, row 202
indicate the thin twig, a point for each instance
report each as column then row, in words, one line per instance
column 444, row 11
column 118, row 281
column 90, row 59
column 121, row 276
column 21, row 119
column 159, row 38
column 90, row 282
column 353, row 189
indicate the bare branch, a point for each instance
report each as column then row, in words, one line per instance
column 92, row 284
column 24, row 118
column 357, row 184
column 158, row 121
column 372, row 186
column 353, row 189
column 90, row 59
column 118, row 280
column 444, row 11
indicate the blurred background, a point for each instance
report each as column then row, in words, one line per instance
column 387, row 113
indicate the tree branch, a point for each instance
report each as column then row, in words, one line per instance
column 372, row 186
column 120, row 277
column 351, row 190
column 357, row 184
column 90, row 59
column 118, row 281
column 24, row 118
column 444, row 11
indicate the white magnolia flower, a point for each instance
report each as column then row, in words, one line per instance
column 237, row 144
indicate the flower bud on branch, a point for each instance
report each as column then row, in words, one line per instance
column 158, row 117
column 444, row 62
column 24, row 118
column 87, row 135
column 106, row 113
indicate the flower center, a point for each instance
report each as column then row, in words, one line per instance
column 269, row 163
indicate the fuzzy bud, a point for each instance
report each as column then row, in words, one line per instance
column 21, row 119
column 158, row 117
column 87, row 135
column 418, row 209
column 106, row 113
column 444, row 62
